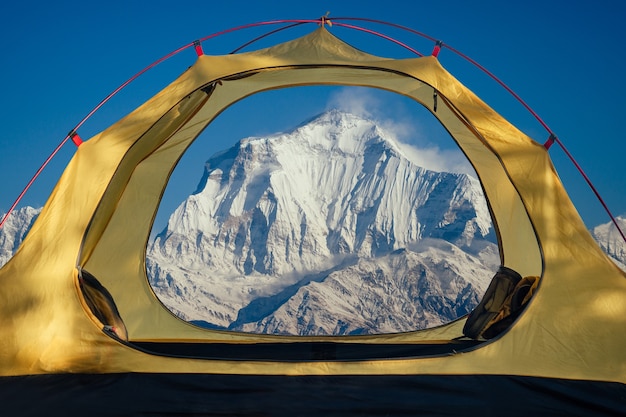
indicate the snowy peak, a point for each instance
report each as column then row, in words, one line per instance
column 339, row 132
column 337, row 184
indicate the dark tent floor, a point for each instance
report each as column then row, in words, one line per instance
column 134, row 394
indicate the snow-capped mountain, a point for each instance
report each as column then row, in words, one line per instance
column 334, row 210
column 611, row 241
column 14, row 230
column 426, row 286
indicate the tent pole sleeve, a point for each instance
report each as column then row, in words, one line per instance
column 198, row 47
column 437, row 49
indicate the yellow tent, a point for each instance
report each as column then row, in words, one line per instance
column 65, row 347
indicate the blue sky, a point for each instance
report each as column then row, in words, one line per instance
column 565, row 59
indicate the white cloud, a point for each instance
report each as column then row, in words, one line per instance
column 436, row 159
column 358, row 101
column 416, row 133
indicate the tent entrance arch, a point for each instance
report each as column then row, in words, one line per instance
column 211, row 282
column 102, row 251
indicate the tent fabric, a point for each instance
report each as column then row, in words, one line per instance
column 99, row 216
